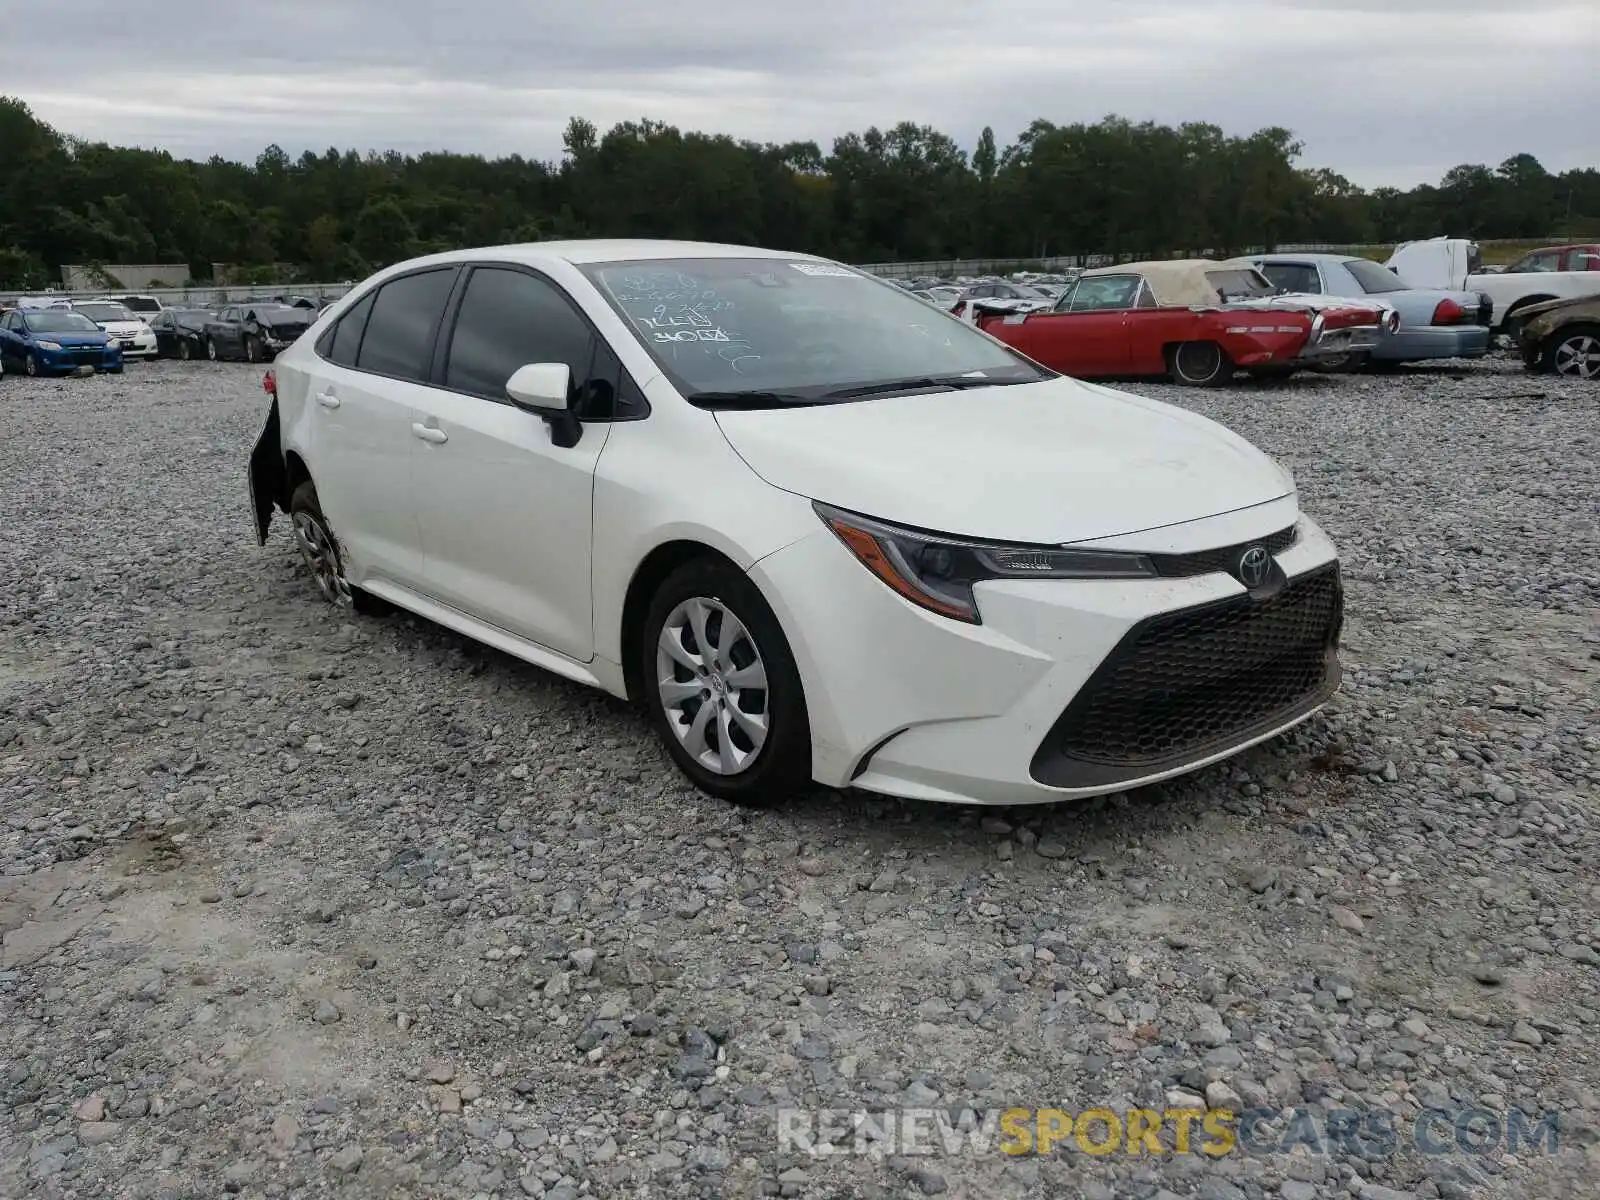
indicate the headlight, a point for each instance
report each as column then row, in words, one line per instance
column 48, row 345
column 937, row 573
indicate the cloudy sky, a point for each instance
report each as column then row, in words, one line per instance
column 1384, row 91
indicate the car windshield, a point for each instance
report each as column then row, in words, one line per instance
column 106, row 312
column 1374, row 277
column 143, row 304
column 60, row 321
column 1240, row 283
column 732, row 331
column 1097, row 293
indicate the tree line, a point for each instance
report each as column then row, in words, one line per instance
column 906, row 193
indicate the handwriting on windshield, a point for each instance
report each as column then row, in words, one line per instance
column 680, row 316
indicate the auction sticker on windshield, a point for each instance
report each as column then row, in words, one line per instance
column 824, row 269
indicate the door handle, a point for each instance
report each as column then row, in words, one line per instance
column 327, row 400
column 429, row 433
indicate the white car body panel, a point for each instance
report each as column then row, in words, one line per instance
column 504, row 536
column 507, row 528
column 359, row 454
column 999, row 485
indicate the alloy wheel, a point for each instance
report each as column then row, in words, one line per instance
column 31, row 365
column 211, row 350
column 317, row 548
column 713, row 685
column 1578, row 356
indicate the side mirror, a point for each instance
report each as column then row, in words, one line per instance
column 542, row 389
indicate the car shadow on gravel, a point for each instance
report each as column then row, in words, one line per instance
column 1095, row 831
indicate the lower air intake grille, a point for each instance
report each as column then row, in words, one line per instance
column 1187, row 684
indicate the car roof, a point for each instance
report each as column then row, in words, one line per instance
column 1175, row 281
column 1317, row 256
column 584, row 251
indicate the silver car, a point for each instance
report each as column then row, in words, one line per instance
column 1434, row 323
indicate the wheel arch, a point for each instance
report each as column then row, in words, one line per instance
column 647, row 578
column 295, row 472
column 1521, row 303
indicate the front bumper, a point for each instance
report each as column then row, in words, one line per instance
column 70, row 358
column 1434, row 341
column 276, row 345
column 1018, row 710
column 140, row 346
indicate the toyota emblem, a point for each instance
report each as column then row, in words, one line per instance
column 1255, row 564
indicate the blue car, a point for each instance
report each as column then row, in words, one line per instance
column 1434, row 323
column 53, row 341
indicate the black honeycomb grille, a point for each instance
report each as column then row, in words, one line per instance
column 1221, row 561
column 1189, row 683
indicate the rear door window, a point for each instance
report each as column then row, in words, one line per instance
column 400, row 332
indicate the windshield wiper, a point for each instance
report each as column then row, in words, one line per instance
column 748, row 400
column 958, row 382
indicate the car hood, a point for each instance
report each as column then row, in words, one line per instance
column 1051, row 462
column 73, row 339
column 1528, row 311
column 122, row 328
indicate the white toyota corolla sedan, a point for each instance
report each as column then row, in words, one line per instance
column 822, row 531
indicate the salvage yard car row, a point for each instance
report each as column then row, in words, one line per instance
column 1201, row 321
column 68, row 336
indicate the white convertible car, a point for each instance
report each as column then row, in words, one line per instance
column 820, row 531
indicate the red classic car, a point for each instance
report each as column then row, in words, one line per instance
column 1194, row 321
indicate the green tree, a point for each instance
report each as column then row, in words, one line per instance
column 383, row 233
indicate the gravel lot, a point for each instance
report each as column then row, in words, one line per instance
column 297, row 905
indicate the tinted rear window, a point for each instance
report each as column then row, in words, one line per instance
column 1374, row 277
column 405, row 314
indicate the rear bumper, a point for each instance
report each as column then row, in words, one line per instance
column 1457, row 341
column 1328, row 344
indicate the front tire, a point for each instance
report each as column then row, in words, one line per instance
column 252, row 348
column 319, row 550
column 211, row 351
column 185, row 350
column 30, row 366
column 1199, row 364
column 722, row 687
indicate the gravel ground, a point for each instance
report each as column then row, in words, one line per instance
column 295, row 904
